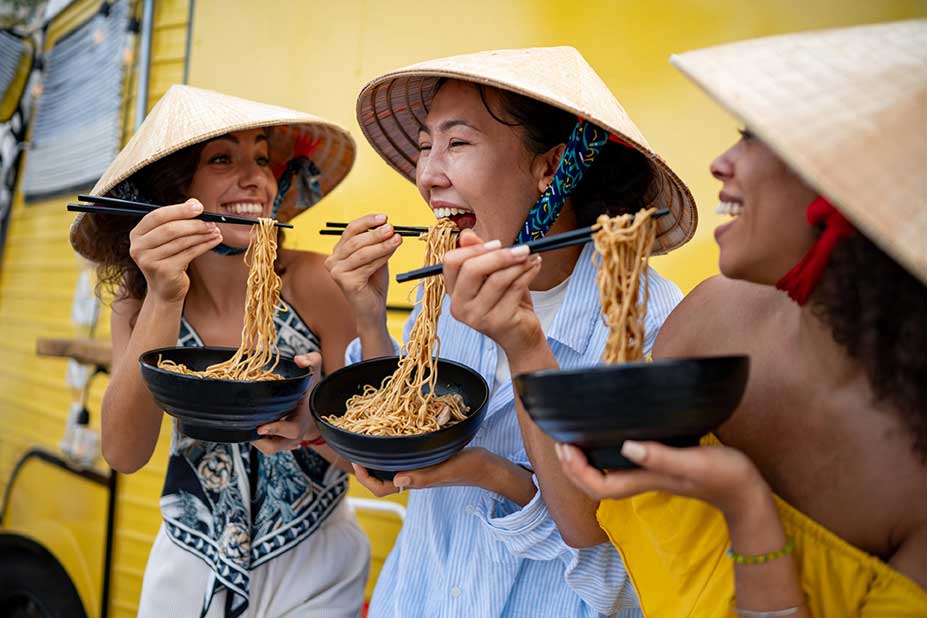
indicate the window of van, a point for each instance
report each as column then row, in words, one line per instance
column 77, row 126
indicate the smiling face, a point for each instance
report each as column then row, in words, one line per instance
column 473, row 168
column 233, row 177
column 769, row 234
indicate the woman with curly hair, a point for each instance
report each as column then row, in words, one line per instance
column 818, row 495
column 257, row 529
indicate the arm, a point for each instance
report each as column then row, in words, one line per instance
column 162, row 244
column 319, row 300
column 489, row 292
column 725, row 478
column 358, row 265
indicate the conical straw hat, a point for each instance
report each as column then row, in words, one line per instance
column 845, row 109
column 186, row 115
column 392, row 107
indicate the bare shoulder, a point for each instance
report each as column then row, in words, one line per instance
column 124, row 312
column 719, row 316
column 308, row 285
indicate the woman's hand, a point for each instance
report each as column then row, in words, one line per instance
column 358, row 266
column 488, row 287
column 164, row 243
column 719, row 475
column 473, row 467
column 288, row 432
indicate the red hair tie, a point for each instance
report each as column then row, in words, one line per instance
column 800, row 282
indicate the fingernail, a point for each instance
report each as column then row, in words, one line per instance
column 386, row 229
column 492, row 244
column 195, row 206
column 211, row 226
column 567, row 452
column 558, row 450
column 379, row 218
column 535, row 260
column 520, row 250
column 635, row 451
column 395, row 239
column 262, row 431
column 402, row 481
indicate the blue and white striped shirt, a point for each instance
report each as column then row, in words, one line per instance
column 467, row 552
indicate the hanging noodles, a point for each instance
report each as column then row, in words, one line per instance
column 623, row 246
column 258, row 355
column 405, row 403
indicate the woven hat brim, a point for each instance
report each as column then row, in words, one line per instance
column 334, row 153
column 847, row 111
column 392, row 108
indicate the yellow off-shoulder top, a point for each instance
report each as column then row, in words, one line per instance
column 674, row 550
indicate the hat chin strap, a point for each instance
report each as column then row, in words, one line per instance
column 585, row 143
column 224, row 249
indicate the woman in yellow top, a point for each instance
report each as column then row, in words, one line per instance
column 817, row 505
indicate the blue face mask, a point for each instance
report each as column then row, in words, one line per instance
column 585, row 143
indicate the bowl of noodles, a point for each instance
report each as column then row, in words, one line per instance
column 225, row 394
column 428, row 422
column 221, row 409
column 671, row 401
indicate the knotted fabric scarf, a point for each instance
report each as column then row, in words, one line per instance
column 585, row 143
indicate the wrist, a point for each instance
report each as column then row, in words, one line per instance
column 164, row 307
column 529, row 353
column 753, row 520
column 503, row 477
column 371, row 323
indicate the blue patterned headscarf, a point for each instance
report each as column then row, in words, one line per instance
column 585, row 143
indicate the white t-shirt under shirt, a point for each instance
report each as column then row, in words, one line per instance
column 547, row 304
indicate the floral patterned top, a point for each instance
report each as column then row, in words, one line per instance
column 236, row 508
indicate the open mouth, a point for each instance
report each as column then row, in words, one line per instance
column 733, row 209
column 463, row 219
column 244, row 209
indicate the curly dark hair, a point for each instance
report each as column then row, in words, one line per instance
column 165, row 181
column 876, row 310
column 620, row 181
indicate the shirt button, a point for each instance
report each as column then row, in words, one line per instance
column 455, row 592
column 470, row 510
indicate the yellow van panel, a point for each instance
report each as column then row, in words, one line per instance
column 66, row 514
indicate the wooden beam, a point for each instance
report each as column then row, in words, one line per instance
column 87, row 351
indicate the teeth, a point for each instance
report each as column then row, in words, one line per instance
column 729, row 208
column 243, row 208
column 440, row 213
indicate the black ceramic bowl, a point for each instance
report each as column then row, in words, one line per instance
column 385, row 455
column 221, row 410
column 671, row 401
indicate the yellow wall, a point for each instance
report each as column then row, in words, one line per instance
column 316, row 56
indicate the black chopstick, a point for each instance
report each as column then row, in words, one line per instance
column 399, row 228
column 140, row 209
column 550, row 243
column 340, row 232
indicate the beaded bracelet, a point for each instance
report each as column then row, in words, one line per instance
column 317, row 442
column 762, row 558
column 776, row 613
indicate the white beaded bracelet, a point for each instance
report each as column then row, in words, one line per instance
column 776, row 613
